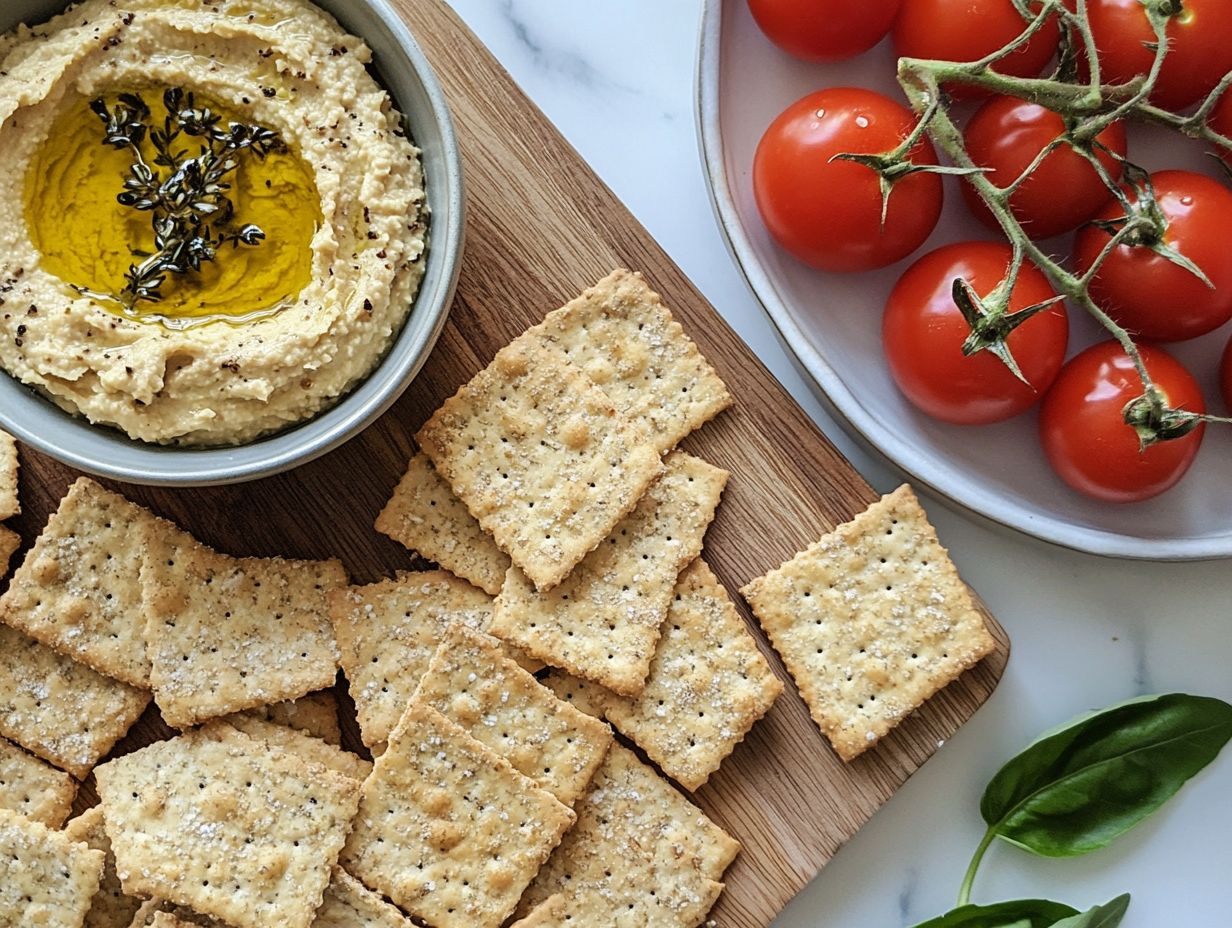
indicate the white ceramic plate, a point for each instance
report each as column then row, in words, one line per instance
column 831, row 323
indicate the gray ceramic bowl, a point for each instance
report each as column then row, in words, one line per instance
column 405, row 73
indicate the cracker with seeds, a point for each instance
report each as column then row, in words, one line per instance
column 302, row 745
column 447, row 829
column 10, row 541
column 315, row 714
column 634, row 833
column 424, row 515
column 540, row 457
column 59, row 709
column 77, row 590
column 110, row 908
column 602, row 623
column 226, row 633
column 474, row 684
column 10, row 505
column 871, row 621
column 708, row 684
column 625, row 340
column 387, row 633
column 227, row 826
column 34, row 788
column 350, row 904
column 46, row 878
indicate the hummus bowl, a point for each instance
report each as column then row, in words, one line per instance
column 343, row 409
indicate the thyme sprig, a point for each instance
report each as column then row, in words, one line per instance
column 192, row 215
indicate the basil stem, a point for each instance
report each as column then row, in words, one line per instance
column 1020, row 913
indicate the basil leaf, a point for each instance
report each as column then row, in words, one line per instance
column 1108, row 915
column 1021, row 913
column 1081, row 785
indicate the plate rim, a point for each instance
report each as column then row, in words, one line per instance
column 941, row 481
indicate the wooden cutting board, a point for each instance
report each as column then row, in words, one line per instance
column 541, row 228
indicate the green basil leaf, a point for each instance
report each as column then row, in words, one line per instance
column 1021, row 913
column 1108, row 915
column 1081, row 785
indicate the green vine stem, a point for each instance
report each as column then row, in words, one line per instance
column 964, row 891
column 1088, row 107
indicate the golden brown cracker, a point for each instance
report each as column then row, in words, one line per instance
column 871, row 621
column 10, row 541
column 33, row 787
column 10, row 504
column 46, row 878
column 540, row 457
column 302, row 745
column 315, row 714
column 110, row 907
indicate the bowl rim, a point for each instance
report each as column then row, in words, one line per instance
column 172, row 466
column 943, row 482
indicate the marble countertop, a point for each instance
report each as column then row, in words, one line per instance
column 617, row 79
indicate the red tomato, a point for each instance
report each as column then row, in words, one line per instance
column 828, row 213
column 1147, row 293
column 967, row 30
column 824, row 30
column 1225, row 376
column 1083, row 429
column 1006, row 134
column 1221, row 121
column 1199, row 47
column 923, row 332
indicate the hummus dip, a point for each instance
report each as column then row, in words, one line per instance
column 267, row 335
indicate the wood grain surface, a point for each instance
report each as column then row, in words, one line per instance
column 541, row 228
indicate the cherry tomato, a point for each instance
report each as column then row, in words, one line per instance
column 1006, row 134
column 1199, row 47
column 967, row 30
column 1225, row 376
column 824, row 30
column 1147, row 293
column 923, row 332
column 1085, row 436
column 828, row 213
column 1221, row 121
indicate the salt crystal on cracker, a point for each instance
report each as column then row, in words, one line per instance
column 33, row 787
column 226, row 634
column 78, row 591
column 10, row 505
column 110, row 907
column 387, row 633
column 871, row 621
column 473, row 683
column 634, row 834
column 540, row 457
column 59, row 709
column 603, row 622
column 424, row 515
column 620, row 333
column 709, row 683
column 46, row 878
column 227, row 826
column 447, row 829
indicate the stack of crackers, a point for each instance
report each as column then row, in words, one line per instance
column 572, row 598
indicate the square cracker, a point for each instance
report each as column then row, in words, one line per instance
column 227, row 826
column 602, row 623
column 10, row 505
column 226, row 633
column 315, row 714
column 624, row 338
column 871, row 621
column 447, row 829
column 473, row 683
column 46, row 878
column 77, row 590
column 302, row 745
column 540, row 457
column 709, row 683
column 424, row 515
column 350, row 904
column 634, row 833
column 10, row 541
column 60, row 710
column 387, row 633
column 110, row 908
column 34, row 788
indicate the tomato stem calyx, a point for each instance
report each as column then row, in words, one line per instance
column 1150, row 416
column 992, row 323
